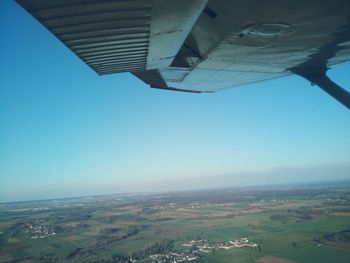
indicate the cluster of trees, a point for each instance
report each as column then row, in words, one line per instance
column 342, row 236
column 162, row 247
column 297, row 215
column 10, row 232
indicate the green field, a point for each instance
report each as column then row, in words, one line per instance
column 287, row 225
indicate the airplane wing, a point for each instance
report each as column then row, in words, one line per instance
column 204, row 45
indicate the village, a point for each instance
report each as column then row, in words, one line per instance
column 39, row 231
column 195, row 247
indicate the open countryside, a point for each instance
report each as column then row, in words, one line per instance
column 280, row 224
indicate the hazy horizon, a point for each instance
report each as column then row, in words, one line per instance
column 271, row 177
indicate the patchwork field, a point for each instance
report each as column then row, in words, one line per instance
column 280, row 224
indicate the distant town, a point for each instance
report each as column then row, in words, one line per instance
column 197, row 246
column 39, row 231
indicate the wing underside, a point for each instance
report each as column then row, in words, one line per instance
column 198, row 45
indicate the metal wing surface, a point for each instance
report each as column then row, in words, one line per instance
column 201, row 45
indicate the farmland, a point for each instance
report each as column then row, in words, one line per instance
column 281, row 224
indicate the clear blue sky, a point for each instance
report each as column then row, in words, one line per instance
column 64, row 131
